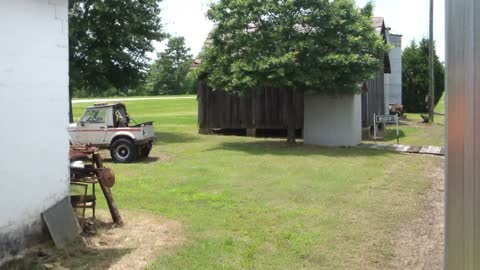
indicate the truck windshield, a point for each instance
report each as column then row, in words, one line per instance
column 94, row 116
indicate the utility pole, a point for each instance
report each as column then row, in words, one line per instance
column 431, row 90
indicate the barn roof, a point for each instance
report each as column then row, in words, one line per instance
column 379, row 24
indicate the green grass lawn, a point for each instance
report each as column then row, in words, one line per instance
column 440, row 108
column 414, row 132
column 259, row 204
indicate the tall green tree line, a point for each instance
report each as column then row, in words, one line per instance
column 415, row 78
column 168, row 74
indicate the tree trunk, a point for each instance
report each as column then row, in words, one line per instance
column 291, row 117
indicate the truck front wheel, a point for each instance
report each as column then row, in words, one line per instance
column 123, row 151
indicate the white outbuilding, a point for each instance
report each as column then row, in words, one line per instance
column 34, row 164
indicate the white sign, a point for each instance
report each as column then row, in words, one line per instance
column 386, row 119
column 391, row 119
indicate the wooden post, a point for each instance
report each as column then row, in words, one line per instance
column 463, row 135
column 291, row 117
column 117, row 219
column 398, row 131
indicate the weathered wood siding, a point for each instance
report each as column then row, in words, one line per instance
column 264, row 109
column 463, row 143
column 373, row 101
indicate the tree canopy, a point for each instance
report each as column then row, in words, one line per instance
column 168, row 74
column 415, row 77
column 109, row 41
column 317, row 46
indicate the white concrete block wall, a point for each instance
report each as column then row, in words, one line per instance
column 333, row 120
column 34, row 172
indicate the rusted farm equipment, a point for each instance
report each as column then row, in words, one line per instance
column 91, row 173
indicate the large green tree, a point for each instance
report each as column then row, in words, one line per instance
column 318, row 46
column 415, row 78
column 109, row 41
column 167, row 75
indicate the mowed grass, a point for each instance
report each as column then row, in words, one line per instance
column 251, row 203
column 440, row 108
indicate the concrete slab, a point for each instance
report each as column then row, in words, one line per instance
column 435, row 150
column 414, row 149
column 62, row 222
column 399, row 147
column 424, row 150
column 427, row 150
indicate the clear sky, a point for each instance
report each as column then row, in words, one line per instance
column 407, row 17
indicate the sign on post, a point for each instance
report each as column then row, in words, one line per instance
column 391, row 119
column 386, row 119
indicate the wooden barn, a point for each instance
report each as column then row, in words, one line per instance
column 373, row 100
column 265, row 109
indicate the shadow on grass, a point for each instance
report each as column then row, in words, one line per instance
column 75, row 256
column 147, row 160
column 284, row 149
column 170, row 137
column 390, row 135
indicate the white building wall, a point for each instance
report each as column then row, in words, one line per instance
column 333, row 120
column 34, row 172
column 393, row 81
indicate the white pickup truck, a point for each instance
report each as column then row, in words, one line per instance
column 107, row 126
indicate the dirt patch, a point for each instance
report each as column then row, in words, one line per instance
column 134, row 246
column 419, row 243
column 145, row 235
column 161, row 157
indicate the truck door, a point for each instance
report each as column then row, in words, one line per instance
column 92, row 127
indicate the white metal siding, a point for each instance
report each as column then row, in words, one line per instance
column 393, row 81
column 463, row 158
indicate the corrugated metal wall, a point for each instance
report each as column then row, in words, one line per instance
column 463, row 159
column 395, row 78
